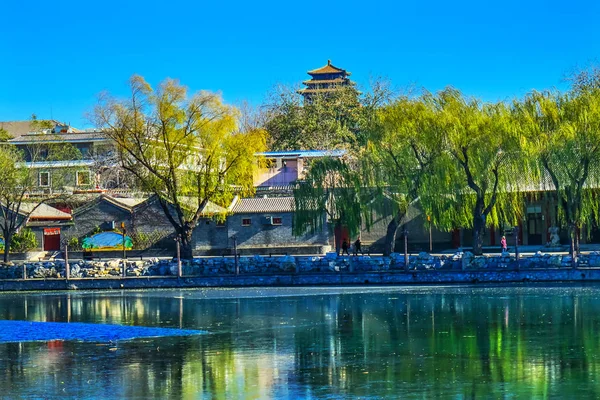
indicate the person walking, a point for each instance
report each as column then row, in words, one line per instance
column 357, row 247
column 503, row 244
column 345, row 247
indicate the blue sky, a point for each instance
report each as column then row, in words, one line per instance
column 58, row 55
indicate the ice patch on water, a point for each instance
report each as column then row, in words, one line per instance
column 28, row 331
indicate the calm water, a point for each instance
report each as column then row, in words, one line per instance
column 541, row 342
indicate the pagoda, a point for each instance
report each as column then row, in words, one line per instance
column 325, row 80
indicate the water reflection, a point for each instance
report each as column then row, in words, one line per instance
column 444, row 342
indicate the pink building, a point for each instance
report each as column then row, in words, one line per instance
column 283, row 168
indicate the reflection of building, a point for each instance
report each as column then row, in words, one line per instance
column 325, row 80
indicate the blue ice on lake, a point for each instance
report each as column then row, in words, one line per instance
column 28, row 331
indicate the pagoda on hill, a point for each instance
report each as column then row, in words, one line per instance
column 325, row 80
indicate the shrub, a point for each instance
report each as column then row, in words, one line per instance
column 73, row 243
column 23, row 241
column 146, row 240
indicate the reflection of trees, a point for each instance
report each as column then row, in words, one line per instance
column 459, row 342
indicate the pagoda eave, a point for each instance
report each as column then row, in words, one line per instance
column 315, row 91
column 327, row 81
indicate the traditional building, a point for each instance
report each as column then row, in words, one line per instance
column 325, row 80
column 94, row 165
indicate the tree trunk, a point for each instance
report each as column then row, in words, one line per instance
column 337, row 237
column 7, row 242
column 572, row 248
column 186, row 243
column 478, row 228
column 390, row 236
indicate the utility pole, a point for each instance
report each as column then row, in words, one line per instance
column 405, row 249
column 516, row 233
column 124, row 253
column 430, row 235
column 237, row 265
column 123, row 230
column 67, row 268
column 177, row 242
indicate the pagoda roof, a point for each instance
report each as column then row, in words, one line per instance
column 322, row 81
column 320, row 90
column 328, row 69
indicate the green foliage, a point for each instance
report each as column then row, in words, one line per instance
column 96, row 230
column 564, row 130
column 481, row 157
column 146, row 240
column 403, row 152
column 332, row 120
column 329, row 121
column 17, row 182
column 185, row 149
column 73, row 243
column 4, row 135
column 39, row 124
column 23, row 241
column 331, row 188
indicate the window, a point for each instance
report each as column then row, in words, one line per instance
column 44, row 179
column 220, row 223
column 85, row 151
column 83, row 178
column 246, row 221
column 277, row 221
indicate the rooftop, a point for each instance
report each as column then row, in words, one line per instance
column 264, row 205
column 43, row 211
column 327, row 81
column 18, row 128
column 75, row 137
column 328, row 69
column 303, row 153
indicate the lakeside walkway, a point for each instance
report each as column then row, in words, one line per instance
column 317, row 270
column 434, row 277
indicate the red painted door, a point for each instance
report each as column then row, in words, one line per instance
column 51, row 239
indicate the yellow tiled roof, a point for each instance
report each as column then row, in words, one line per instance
column 328, row 69
column 323, row 81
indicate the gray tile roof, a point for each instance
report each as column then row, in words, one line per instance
column 43, row 211
column 18, row 128
column 62, row 137
column 264, row 205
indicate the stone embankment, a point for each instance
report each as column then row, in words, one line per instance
column 328, row 269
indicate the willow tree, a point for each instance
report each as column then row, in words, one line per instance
column 402, row 156
column 565, row 129
column 331, row 191
column 484, row 145
column 186, row 150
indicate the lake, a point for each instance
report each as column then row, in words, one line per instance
column 280, row 343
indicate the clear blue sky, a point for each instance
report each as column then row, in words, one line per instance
column 58, row 55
